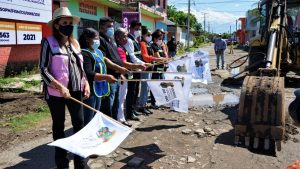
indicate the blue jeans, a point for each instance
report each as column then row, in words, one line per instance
column 144, row 90
column 110, row 104
column 94, row 102
column 218, row 59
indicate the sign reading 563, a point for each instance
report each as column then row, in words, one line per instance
column 29, row 33
column 7, row 33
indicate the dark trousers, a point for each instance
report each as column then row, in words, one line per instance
column 132, row 95
column 57, row 108
column 110, row 104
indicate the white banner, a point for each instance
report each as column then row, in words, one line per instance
column 181, row 105
column 100, row 137
column 26, row 10
column 29, row 33
column 182, row 65
column 7, row 33
column 200, row 67
column 166, row 91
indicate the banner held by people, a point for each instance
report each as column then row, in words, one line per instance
column 200, row 67
column 166, row 91
column 100, row 136
column 183, row 104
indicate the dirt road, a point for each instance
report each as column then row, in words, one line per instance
column 202, row 138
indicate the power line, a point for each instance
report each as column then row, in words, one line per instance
column 218, row 2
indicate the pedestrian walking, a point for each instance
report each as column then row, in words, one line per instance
column 220, row 47
column 61, row 67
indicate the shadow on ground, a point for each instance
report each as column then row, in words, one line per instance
column 40, row 157
column 149, row 152
column 159, row 127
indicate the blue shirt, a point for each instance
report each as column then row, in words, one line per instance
column 220, row 44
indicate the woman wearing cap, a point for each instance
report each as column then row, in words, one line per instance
column 95, row 69
column 61, row 66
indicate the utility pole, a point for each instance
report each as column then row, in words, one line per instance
column 204, row 21
column 188, row 25
column 208, row 27
column 230, row 31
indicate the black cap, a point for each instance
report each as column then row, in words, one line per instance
column 135, row 23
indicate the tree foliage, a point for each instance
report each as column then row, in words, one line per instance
column 180, row 18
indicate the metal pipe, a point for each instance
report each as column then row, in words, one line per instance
column 271, row 48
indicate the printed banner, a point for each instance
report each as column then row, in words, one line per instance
column 7, row 33
column 100, row 137
column 128, row 17
column 166, row 91
column 182, row 65
column 29, row 33
column 26, row 10
column 181, row 105
column 200, row 67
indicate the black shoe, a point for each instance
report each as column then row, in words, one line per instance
column 154, row 107
column 149, row 111
column 136, row 113
column 134, row 117
column 126, row 123
column 145, row 111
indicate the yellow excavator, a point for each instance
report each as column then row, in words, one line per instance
column 260, row 123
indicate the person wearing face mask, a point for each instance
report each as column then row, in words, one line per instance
column 147, row 56
column 61, row 67
column 163, row 45
column 134, row 50
column 110, row 104
column 121, row 37
column 95, row 69
column 220, row 47
column 157, row 53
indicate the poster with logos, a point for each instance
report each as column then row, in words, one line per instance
column 26, row 10
column 128, row 17
column 29, row 33
column 7, row 33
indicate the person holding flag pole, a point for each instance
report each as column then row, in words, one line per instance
column 121, row 38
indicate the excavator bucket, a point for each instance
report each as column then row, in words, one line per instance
column 261, row 116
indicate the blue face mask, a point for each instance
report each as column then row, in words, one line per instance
column 110, row 32
column 96, row 44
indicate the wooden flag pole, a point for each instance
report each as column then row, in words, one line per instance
column 91, row 108
column 159, row 72
column 147, row 80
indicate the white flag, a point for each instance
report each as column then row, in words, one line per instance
column 183, row 104
column 200, row 67
column 165, row 92
column 99, row 137
column 182, row 65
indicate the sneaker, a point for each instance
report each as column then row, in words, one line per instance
column 133, row 117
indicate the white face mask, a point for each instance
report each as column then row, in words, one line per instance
column 148, row 39
column 137, row 34
column 159, row 42
column 96, row 44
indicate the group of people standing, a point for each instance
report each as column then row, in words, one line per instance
column 97, row 71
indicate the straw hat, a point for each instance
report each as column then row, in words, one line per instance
column 63, row 12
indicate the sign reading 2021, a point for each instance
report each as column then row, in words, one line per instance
column 26, row 10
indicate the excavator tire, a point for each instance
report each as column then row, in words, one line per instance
column 261, row 116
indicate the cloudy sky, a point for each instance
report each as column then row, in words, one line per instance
column 219, row 15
